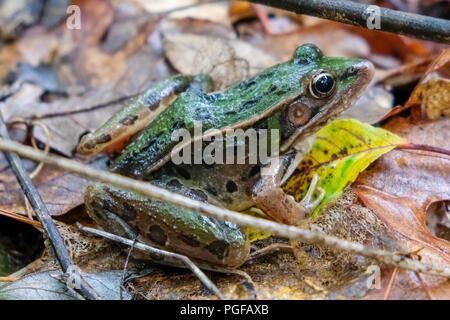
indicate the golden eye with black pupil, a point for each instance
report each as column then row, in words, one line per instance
column 298, row 114
column 322, row 85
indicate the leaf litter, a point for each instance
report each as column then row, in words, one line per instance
column 73, row 81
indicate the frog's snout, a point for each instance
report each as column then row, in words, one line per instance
column 365, row 70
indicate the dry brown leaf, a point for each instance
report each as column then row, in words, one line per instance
column 401, row 217
column 108, row 78
column 431, row 97
column 373, row 105
column 214, row 12
column 198, row 27
column 393, row 45
column 65, row 119
column 331, row 38
column 226, row 61
column 399, row 187
column 60, row 191
column 421, row 176
column 96, row 18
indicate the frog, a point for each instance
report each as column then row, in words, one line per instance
column 296, row 97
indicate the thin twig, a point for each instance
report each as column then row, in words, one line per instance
column 21, row 218
column 425, row 286
column 88, row 109
column 155, row 251
column 291, row 232
column 42, row 213
column 390, row 284
column 125, row 268
column 349, row 12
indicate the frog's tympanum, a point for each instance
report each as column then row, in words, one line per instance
column 296, row 97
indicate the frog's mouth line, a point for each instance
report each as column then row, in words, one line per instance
column 346, row 99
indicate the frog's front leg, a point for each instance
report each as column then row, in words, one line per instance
column 271, row 198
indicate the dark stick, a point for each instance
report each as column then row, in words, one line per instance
column 33, row 196
column 409, row 24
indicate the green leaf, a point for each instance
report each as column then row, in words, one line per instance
column 341, row 150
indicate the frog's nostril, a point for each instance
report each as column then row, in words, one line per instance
column 352, row 71
column 365, row 68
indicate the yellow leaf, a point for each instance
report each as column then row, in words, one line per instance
column 341, row 150
column 253, row 234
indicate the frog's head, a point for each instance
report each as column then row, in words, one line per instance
column 328, row 87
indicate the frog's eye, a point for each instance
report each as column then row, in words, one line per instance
column 298, row 113
column 322, row 85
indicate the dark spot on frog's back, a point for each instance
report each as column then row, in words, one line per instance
column 129, row 120
column 151, row 146
column 103, row 138
column 190, row 241
column 90, row 144
column 202, row 115
column 212, row 190
column 152, row 101
column 249, row 103
column 218, row 248
column 178, row 125
column 231, row 186
column 213, row 97
column 157, row 235
column 174, row 184
column 129, row 213
column 246, row 84
column 254, row 171
column 245, row 105
column 198, row 195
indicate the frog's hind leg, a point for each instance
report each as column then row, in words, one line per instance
column 168, row 226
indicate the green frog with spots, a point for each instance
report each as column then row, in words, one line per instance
column 296, row 98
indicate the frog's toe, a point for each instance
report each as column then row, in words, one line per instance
column 307, row 204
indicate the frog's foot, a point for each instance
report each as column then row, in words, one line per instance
column 308, row 205
column 271, row 198
column 247, row 285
